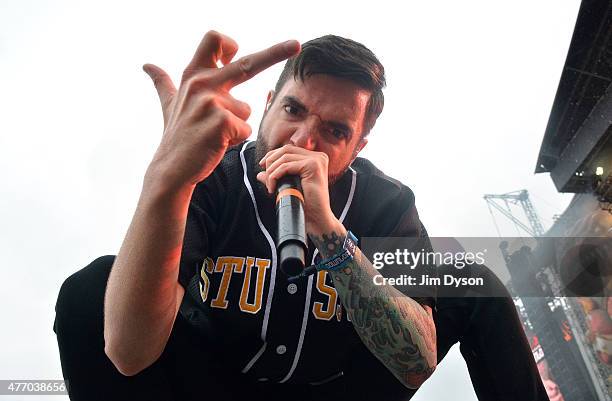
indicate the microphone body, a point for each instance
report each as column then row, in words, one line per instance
column 291, row 240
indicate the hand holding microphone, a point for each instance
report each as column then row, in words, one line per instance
column 291, row 234
column 312, row 170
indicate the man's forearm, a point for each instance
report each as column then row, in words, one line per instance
column 394, row 327
column 143, row 294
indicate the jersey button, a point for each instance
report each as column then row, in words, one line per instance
column 281, row 349
column 292, row 288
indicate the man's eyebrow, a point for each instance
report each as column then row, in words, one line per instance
column 293, row 101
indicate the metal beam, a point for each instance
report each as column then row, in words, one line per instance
column 584, row 141
column 489, row 199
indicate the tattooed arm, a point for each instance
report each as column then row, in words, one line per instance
column 395, row 328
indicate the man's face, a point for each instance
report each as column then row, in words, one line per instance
column 321, row 113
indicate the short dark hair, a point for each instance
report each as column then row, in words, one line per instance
column 342, row 58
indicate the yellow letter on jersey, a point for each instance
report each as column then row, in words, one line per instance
column 317, row 308
column 207, row 268
column 262, row 267
column 227, row 265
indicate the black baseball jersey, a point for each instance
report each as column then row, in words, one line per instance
column 268, row 328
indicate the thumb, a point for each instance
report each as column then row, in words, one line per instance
column 164, row 86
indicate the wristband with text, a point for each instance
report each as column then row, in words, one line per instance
column 336, row 262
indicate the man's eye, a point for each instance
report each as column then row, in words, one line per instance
column 339, row 133
column 294, row 111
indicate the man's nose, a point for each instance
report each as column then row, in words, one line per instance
column 305, row 136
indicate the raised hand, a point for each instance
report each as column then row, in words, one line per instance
column 201, row 118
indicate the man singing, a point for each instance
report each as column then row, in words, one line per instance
column 194, row 306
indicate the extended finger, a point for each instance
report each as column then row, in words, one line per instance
column 214, row 46
column 164, row 86
column 248, row 66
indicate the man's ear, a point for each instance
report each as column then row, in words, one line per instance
column 362, row 143
column 269, row 99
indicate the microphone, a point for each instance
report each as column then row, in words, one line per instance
column 291, row 241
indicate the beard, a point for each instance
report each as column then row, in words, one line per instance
column 262, row 147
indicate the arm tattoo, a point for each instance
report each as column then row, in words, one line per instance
column 394, row 327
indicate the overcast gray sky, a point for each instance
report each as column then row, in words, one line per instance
column 470, row 88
